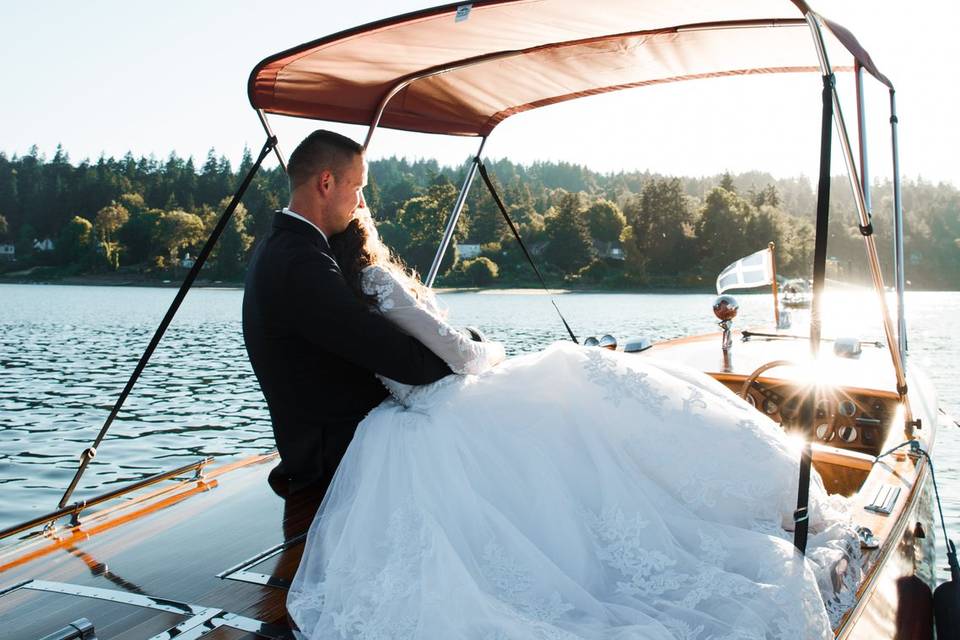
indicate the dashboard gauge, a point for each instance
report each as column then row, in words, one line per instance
column 770, row 407
column 848, row 433
column 751, row 400
column 824, row 432
column 847, row 408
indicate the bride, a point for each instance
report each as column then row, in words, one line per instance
column 571, row 493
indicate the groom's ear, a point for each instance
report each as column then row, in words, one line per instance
column 324, row 181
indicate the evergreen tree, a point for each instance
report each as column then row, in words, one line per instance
column 9, row 196
column 570, row 248
column 423, row 220
column 486, row 222
column 722, row 230
column 726, row 182
column 24, row 245
column 662, row 222
column 233, row 245
column 371, row 194
column 141, row 235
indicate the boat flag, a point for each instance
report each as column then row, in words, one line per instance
column 755, row 270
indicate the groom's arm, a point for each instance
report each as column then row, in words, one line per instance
column 327, row 313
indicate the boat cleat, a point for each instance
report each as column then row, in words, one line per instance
column 867, row 539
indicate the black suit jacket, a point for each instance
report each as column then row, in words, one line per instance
column 315, row 347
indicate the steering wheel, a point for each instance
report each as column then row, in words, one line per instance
column 764, row 367
column 752, row 378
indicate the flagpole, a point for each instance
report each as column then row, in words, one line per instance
column 776, row 302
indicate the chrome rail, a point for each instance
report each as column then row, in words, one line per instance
column 862, row 138
column 454, row 216
column 898, row 227
column 276, row 148
column 436, row 71
column 871, row 246
column 77, row 507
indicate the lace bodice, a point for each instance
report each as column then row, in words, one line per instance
column 423, row 320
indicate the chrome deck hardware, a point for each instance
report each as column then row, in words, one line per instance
column 885, row 500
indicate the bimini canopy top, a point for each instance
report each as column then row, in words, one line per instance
column 463, row 69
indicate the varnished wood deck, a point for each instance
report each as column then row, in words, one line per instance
column 172, row 546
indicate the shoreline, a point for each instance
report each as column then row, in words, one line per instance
column 219, row 284
column 114, row 280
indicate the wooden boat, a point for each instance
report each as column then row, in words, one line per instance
column 207, row 551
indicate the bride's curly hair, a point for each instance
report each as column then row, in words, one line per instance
column 359, row 246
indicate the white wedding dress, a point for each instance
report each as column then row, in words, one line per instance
column 572, row 493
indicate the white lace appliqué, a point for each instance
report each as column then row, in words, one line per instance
column 620, row 382
column 373, row 283
column 515, row 586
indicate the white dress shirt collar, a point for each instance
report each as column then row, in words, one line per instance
column 294, row 214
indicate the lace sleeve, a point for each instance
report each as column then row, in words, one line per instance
column 463, row 355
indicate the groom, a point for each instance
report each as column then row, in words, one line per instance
column 313, row 344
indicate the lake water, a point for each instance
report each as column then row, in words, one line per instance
column 66, row 353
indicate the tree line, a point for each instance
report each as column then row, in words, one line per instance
column 146, row 216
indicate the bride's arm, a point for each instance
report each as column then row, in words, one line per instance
column 463, row 355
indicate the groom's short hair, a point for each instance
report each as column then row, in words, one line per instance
column 321, row 150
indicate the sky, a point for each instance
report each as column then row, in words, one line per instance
column 111, row 76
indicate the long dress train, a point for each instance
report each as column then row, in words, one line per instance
column 572, row 493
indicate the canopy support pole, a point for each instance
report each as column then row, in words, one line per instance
column 801, row 516
column 455, row 215
column 898, row 229
column 427, row 73
column 862, row 138
column 91, row 451
column 866, row 226
column 271, row 135
column 776, row 296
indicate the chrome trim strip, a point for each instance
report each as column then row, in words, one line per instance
column 260, row 578
column 191, row 628
column 14, row 587
column 263, row 555
column 251, row 625
column 201, row 620
column 120, row 597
